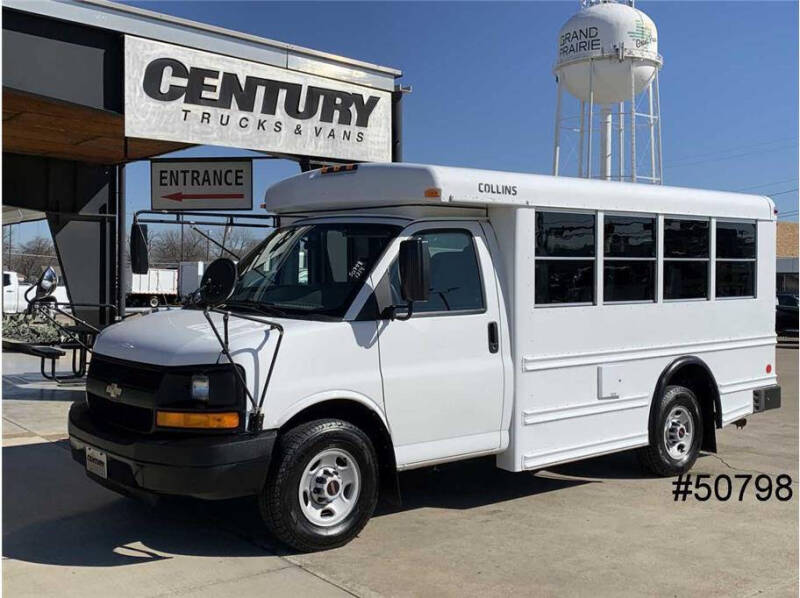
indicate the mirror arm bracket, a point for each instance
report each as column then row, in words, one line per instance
column 256, row 419
column 226, row 351
column 391, row 311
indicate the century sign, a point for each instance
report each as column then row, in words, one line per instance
column 173, row 93
column 215, row 184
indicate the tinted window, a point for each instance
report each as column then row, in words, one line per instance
column 455, row 275
column 686, row 238
column 736, row 279
column 685, row 280
column 736, row 240
column 562, row 272
column 629, row 247
column 629, row 236
column 629, row 280
column 736, row 259
column 564, row 281
column 564, row 235
column 6, row 280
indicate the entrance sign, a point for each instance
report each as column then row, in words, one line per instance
column 178, row 185
column 174, row 93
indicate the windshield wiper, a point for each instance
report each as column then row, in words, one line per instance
column 262, row 308
column 269, row 307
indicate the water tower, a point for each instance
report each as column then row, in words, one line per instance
column 608, row 125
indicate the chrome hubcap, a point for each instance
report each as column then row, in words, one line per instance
column 678, row 433
column 329, row 487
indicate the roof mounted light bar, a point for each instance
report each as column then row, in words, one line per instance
column 338, row 168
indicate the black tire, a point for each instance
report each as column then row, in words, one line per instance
column 279, row 502
column 656, row 457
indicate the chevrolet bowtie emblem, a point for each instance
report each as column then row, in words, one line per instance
column 113, row 391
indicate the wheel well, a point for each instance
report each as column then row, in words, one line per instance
column 694, row 374
column 370, row 423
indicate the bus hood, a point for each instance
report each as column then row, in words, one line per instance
column 182, row 337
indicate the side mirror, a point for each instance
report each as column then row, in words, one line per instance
column 45, row 286
column 140, row 263
column 415, row 270
column 218, row 282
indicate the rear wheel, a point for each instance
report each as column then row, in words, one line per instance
column 322, row 487
column 675, row 435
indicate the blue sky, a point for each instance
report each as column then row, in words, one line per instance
column 484, row 94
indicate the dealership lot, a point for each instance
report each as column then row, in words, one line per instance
column 598, row 526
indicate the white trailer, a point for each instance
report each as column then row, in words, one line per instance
column 422, row 314
column 158, row 287
column 189, row 276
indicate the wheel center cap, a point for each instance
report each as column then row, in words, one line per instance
column 332, row 489
column 681, row 432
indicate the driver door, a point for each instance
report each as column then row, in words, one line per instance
column 442, row 369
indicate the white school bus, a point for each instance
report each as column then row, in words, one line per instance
column 402, row 316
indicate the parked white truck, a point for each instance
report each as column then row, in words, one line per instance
column 158, row 287
column 14, row 290
column 403, row 316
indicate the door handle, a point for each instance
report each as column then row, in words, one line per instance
column 494, row 343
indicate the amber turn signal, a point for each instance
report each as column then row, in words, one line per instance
column 177, row 419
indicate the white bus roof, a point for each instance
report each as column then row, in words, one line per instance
column 371, row 186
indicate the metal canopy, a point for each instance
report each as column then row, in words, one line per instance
column 13, row 215
column 40, row 126
column 63, row 69
column 183, row 32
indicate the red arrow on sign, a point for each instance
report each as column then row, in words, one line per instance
column 180, row 196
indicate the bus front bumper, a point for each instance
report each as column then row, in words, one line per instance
column 209, row 467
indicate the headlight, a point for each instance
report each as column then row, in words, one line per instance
column 200, row 388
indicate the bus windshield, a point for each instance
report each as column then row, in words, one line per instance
column 310, row 270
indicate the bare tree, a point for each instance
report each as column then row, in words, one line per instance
column 165, row 246
column 31, row 258
column 238, row 240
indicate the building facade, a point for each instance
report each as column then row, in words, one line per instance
column 787, row 256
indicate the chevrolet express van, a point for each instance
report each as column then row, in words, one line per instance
column 402, row 316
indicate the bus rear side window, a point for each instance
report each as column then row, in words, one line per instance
column 686, row 256
column 736, row 259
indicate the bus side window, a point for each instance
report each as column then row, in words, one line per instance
column 686, row 256
column 629, row 264
column 565, row 258
column 736, row 259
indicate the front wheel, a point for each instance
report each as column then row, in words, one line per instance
column 675, row 435
column 322, row 487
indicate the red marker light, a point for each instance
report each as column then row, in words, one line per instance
column 769, row 368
